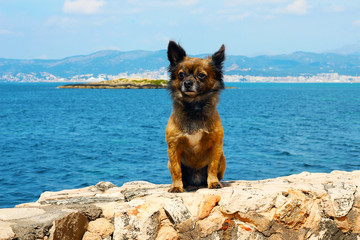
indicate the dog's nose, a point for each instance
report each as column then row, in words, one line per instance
column 188, row 84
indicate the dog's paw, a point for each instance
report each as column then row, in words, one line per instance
column 176, row 190
column 215, row 185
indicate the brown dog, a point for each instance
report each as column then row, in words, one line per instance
column 194, row 133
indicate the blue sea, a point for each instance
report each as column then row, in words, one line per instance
column 53, row 139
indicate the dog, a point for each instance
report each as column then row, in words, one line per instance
column 194, row 133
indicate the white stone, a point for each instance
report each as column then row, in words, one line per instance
column 8, row 214
column 176, row 210
column 342, row 197
column 6, row 231
column 136, row 221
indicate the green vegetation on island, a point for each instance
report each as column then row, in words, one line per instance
column 122, row 83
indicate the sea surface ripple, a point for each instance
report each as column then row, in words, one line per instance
column 53, row 139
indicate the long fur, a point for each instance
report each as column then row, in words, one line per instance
column 195, row 85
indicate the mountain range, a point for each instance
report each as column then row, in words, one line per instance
column 113, row 62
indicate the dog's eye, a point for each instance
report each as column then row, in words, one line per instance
column 181, row 75
column 201, row 76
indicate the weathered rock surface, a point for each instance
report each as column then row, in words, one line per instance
column 101, row 227
column 304, row 206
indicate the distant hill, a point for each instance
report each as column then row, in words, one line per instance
column 107, row 62
column 113, row 62
column 352, row 49
column 295, row 64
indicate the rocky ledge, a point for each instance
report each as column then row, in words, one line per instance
column 122, row 83
column 303, row 206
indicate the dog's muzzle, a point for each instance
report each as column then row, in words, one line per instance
column 188, row 84
column 188, row 87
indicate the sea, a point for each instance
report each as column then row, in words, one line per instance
column 53, row 139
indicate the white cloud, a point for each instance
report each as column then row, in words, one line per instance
column 334, row 9
column 238, row 17
column 181, row 2
column 83, row 6
column 10, row 33
column 6, row 32
column 357, row 23
column 198, row 11
column 132, row 10
column 298, row 7
column 61, row 21
column 232, row 3
column 164, row 3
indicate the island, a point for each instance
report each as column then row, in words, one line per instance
column 122, row 83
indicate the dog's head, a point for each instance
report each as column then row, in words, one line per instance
column 194, row 79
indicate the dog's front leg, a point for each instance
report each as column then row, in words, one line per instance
column 174, row 165
column 213, row 166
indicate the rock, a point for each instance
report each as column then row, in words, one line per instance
column 90, row 211
column 71, row 227
column 10, row 214
column 192, row 202
column 207, row 205
column 211, row 224
column 247, row 199
column 35, row 223
column 103, row 186
column 314, row 206
column 6, row 231
column 187, row 229
column 167, row 233
column 108, row 209
column 104, row 192
column 176, row 210
column 133, row 190
column 342, row 196
column 136, row 220
column 101, row 227
column 91, row 236
column 49, row 197
column 166, row 230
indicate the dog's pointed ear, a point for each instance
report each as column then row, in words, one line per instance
column 219, row 57
column 175, row 53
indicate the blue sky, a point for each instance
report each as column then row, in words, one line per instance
column 52, row 29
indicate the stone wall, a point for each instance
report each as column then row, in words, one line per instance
column 303, row 206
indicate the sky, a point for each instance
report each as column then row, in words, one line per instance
column 55, row 29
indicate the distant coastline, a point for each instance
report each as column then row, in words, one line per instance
column 122, row 83
column 157, row 79
column 301, row 67
column 318, row 78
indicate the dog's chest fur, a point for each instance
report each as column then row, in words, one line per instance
column 194, row 139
